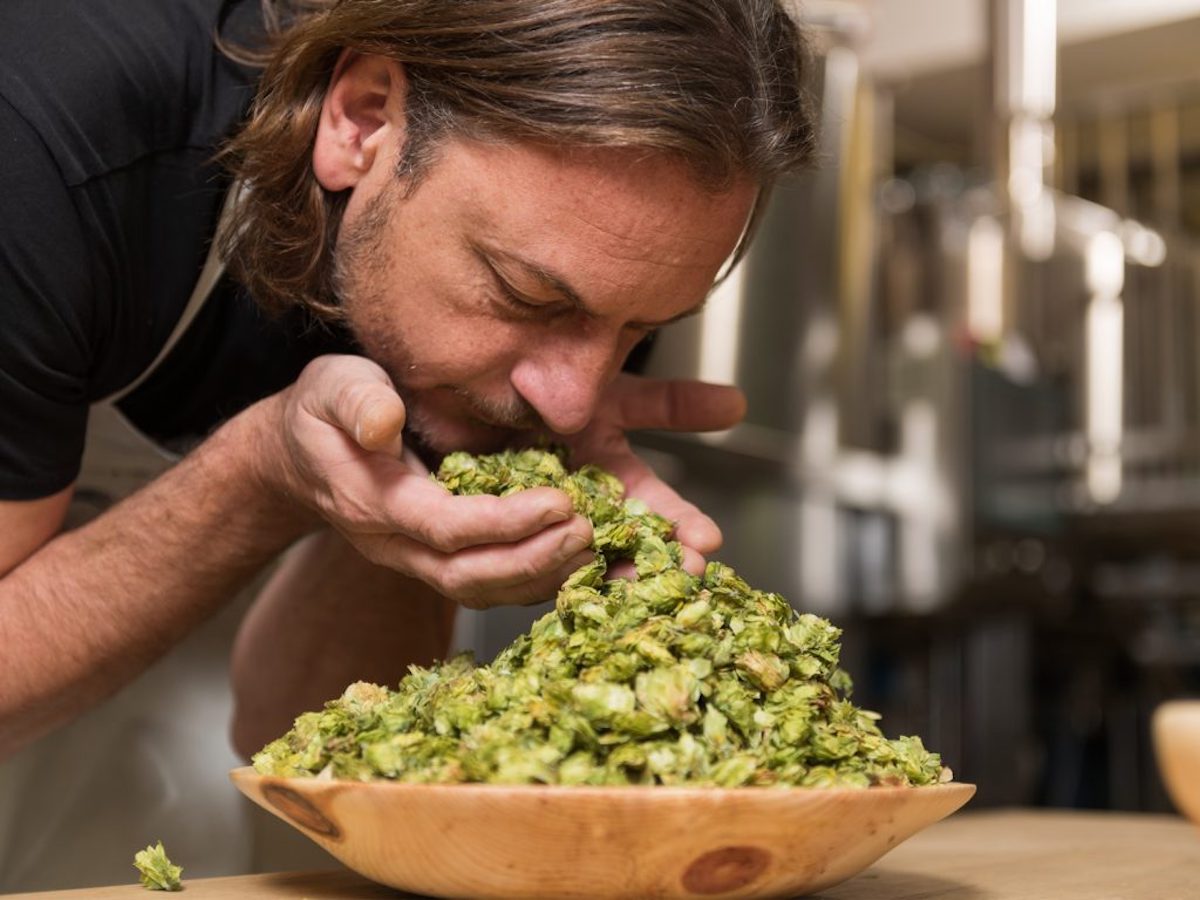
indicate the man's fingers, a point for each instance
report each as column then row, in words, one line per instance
column 429, row 513
column 528, row 571
column 496, row 568
column 632, row 402
column 379, row 424
column 539, row 589
column 410, row 459
column 693, row 562
column 692, row 527
column 356, row 395
column 643, row 403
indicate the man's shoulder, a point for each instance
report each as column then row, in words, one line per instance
column 108, row 82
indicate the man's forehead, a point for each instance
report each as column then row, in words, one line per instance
column 654, row 211
column 649, row 181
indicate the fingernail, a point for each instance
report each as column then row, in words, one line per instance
column 554, row 516
column 574, row 542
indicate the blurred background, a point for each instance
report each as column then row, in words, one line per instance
column 968, row 339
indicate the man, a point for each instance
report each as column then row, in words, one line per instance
column 454, row 222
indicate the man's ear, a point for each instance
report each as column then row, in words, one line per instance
column 362, row 112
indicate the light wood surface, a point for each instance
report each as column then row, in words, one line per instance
column 496, row 842
column 1019, row 855
column 1039, row 856
column 340, row 885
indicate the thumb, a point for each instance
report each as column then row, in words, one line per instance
column 676, row 405
column 380, row 422
column 356, row 396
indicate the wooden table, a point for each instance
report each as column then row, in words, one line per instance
column 1016, row 855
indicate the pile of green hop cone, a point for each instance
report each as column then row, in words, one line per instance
column 664, row 679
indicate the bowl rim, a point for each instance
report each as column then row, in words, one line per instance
column 248, row 773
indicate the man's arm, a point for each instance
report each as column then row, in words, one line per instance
column 93, row 607
column 328, row 618
column 27, row 524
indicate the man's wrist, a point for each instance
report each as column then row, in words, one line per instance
column 255, row 442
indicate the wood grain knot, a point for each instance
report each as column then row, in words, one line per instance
column 727, row 869
column 300, row 810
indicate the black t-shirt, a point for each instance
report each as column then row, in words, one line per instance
column 110, row 113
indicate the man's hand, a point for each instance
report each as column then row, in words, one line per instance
column 631, row 403
column 338, row 451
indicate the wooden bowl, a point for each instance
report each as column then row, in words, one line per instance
column 469, row 840
column 1176, row 728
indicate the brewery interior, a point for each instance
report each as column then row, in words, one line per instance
column 967, row 338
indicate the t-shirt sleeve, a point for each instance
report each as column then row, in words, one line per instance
column 45, row 291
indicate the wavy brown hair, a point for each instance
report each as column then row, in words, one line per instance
column 715, row 83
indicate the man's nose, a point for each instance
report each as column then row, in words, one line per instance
column 563, row 377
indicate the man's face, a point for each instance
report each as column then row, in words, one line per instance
column 505, row 292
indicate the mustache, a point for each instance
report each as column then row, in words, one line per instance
column 515, row 414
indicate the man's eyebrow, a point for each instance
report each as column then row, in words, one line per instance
column 539, row 273
column 558, row 284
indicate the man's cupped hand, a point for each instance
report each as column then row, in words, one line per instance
column 344, row 458
column 338, row 441
column 633, row 403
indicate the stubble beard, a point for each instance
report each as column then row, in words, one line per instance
column 360, row 274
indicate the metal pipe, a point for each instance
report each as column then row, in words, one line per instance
column 1024, row 48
